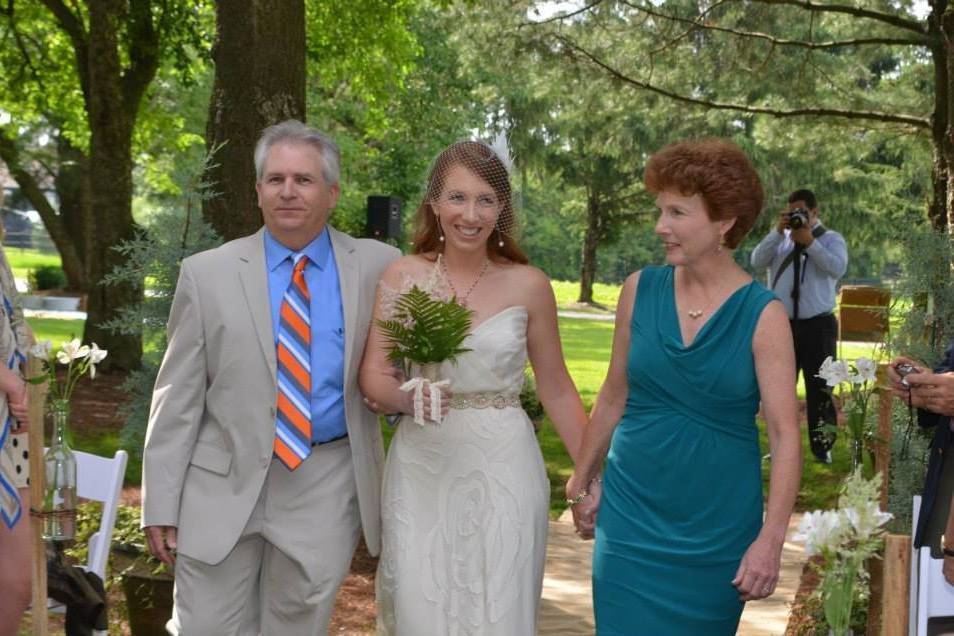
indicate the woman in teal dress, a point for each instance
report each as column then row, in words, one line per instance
column 680, row 539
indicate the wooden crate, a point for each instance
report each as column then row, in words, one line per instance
column 863, row 313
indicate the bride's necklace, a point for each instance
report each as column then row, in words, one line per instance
column 462, row 300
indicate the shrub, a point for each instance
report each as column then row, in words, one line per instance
column 910, row 446
column 155, row 254
column 529, row 400
column 47, row 277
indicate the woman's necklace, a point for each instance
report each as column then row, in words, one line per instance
column 462, row 300
column 694, row 313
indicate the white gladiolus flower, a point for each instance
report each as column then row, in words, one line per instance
column 96, row 355
column 819, row 530
column 865, row 520
column 833, row 372
column 867, row 368
column 71, row 350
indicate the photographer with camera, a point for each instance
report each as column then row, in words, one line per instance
column 933, row 396
column 805, row 261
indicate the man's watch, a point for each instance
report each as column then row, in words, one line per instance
column 948, row 552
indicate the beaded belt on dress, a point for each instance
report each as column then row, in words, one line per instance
column 488, row 400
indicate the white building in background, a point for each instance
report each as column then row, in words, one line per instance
column 21, row 223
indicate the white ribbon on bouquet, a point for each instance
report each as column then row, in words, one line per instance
column 417, row 385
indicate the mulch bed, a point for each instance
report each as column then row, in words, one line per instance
column 806, row 612
column 95, row 408
column 802, row 619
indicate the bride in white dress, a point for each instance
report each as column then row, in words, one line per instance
column 465, row 500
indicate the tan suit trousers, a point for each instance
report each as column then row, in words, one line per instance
column 282, row 577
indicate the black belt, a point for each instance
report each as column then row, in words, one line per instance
column 824, row 314
column 328, row 441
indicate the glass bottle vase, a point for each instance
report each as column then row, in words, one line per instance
column 59, row 502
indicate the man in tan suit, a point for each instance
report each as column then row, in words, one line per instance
column 261, row 463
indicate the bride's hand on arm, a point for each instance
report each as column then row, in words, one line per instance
column 395, row 373
column 380, row 381
column 378, row 378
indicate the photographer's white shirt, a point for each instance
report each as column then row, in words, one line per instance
column 824, row 262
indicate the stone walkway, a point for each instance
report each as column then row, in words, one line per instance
column 566, row 608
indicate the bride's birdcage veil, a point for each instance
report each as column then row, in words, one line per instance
column 492, row 165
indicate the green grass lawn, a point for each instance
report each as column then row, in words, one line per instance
column 55, row 330
column 567, row 293
column 23, row 260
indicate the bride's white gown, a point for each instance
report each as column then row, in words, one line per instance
column 464, row 506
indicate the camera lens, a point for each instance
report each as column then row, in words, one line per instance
column 798, row 218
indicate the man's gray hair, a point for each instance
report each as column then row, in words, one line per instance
column 293, row 131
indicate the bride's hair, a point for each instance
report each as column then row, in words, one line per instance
column 480, row 159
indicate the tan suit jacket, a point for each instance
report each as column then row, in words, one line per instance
column 212, row 424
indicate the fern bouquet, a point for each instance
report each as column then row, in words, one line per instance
column 425, row 330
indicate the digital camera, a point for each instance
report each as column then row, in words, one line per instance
column 903, row 369
column 798, row 218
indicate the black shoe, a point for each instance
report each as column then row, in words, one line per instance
column 823, row 457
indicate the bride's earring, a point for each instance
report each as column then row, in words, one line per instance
column 500, row 241
column 440, row 230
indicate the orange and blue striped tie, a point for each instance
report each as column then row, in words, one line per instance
column 293, row 423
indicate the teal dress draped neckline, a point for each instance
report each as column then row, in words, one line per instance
column 682, row 494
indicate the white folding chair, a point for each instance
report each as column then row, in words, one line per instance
column 931, row 594
column 99, row 479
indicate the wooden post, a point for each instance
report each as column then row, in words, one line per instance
column 895, row 587
column 875, row 586
column 883, row 447
column 37, row 397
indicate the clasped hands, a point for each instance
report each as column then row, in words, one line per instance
column 932, row 392
column 584, row 503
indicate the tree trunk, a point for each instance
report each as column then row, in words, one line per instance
column 111, row 107
column 941, row 23
column 591, row 239
column 259, row 56
column 75, row 243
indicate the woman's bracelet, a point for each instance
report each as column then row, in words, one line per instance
column 580, row 496
column 584, row 493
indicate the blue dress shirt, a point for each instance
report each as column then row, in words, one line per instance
column 327, row 327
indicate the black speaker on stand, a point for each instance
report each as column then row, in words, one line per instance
column 384, row 218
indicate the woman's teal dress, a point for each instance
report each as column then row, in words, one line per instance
column 682, row 492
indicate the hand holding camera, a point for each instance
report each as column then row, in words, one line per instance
column 901, row 367
column 897, row 371
column 798, row 218
column 904, row 369
column 799, row 222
